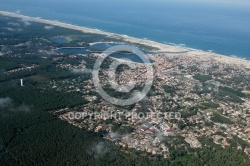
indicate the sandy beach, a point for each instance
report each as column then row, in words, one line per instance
column 160, row 46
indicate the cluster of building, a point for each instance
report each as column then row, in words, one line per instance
column 149, row 134
column 23, row 68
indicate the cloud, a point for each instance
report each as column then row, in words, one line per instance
column 21, row 108
column 13, row 29
column 81, row 71
column 25, row 22
column 99, row 150
column 9, row 29
column 13, row 24
column 114, row 135
column 5, row 49
column 5, row 102
column 18, row 11
column 48, row 27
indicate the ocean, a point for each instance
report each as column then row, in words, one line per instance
column 222, row 28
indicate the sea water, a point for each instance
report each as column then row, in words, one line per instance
column 222, row 28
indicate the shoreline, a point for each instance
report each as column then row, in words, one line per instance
column 160, row 46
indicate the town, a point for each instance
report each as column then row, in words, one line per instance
column 212, row 98
column 196, row 100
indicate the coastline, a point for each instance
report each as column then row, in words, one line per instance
column 160, row 46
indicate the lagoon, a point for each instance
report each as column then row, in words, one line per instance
column 99, row 47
